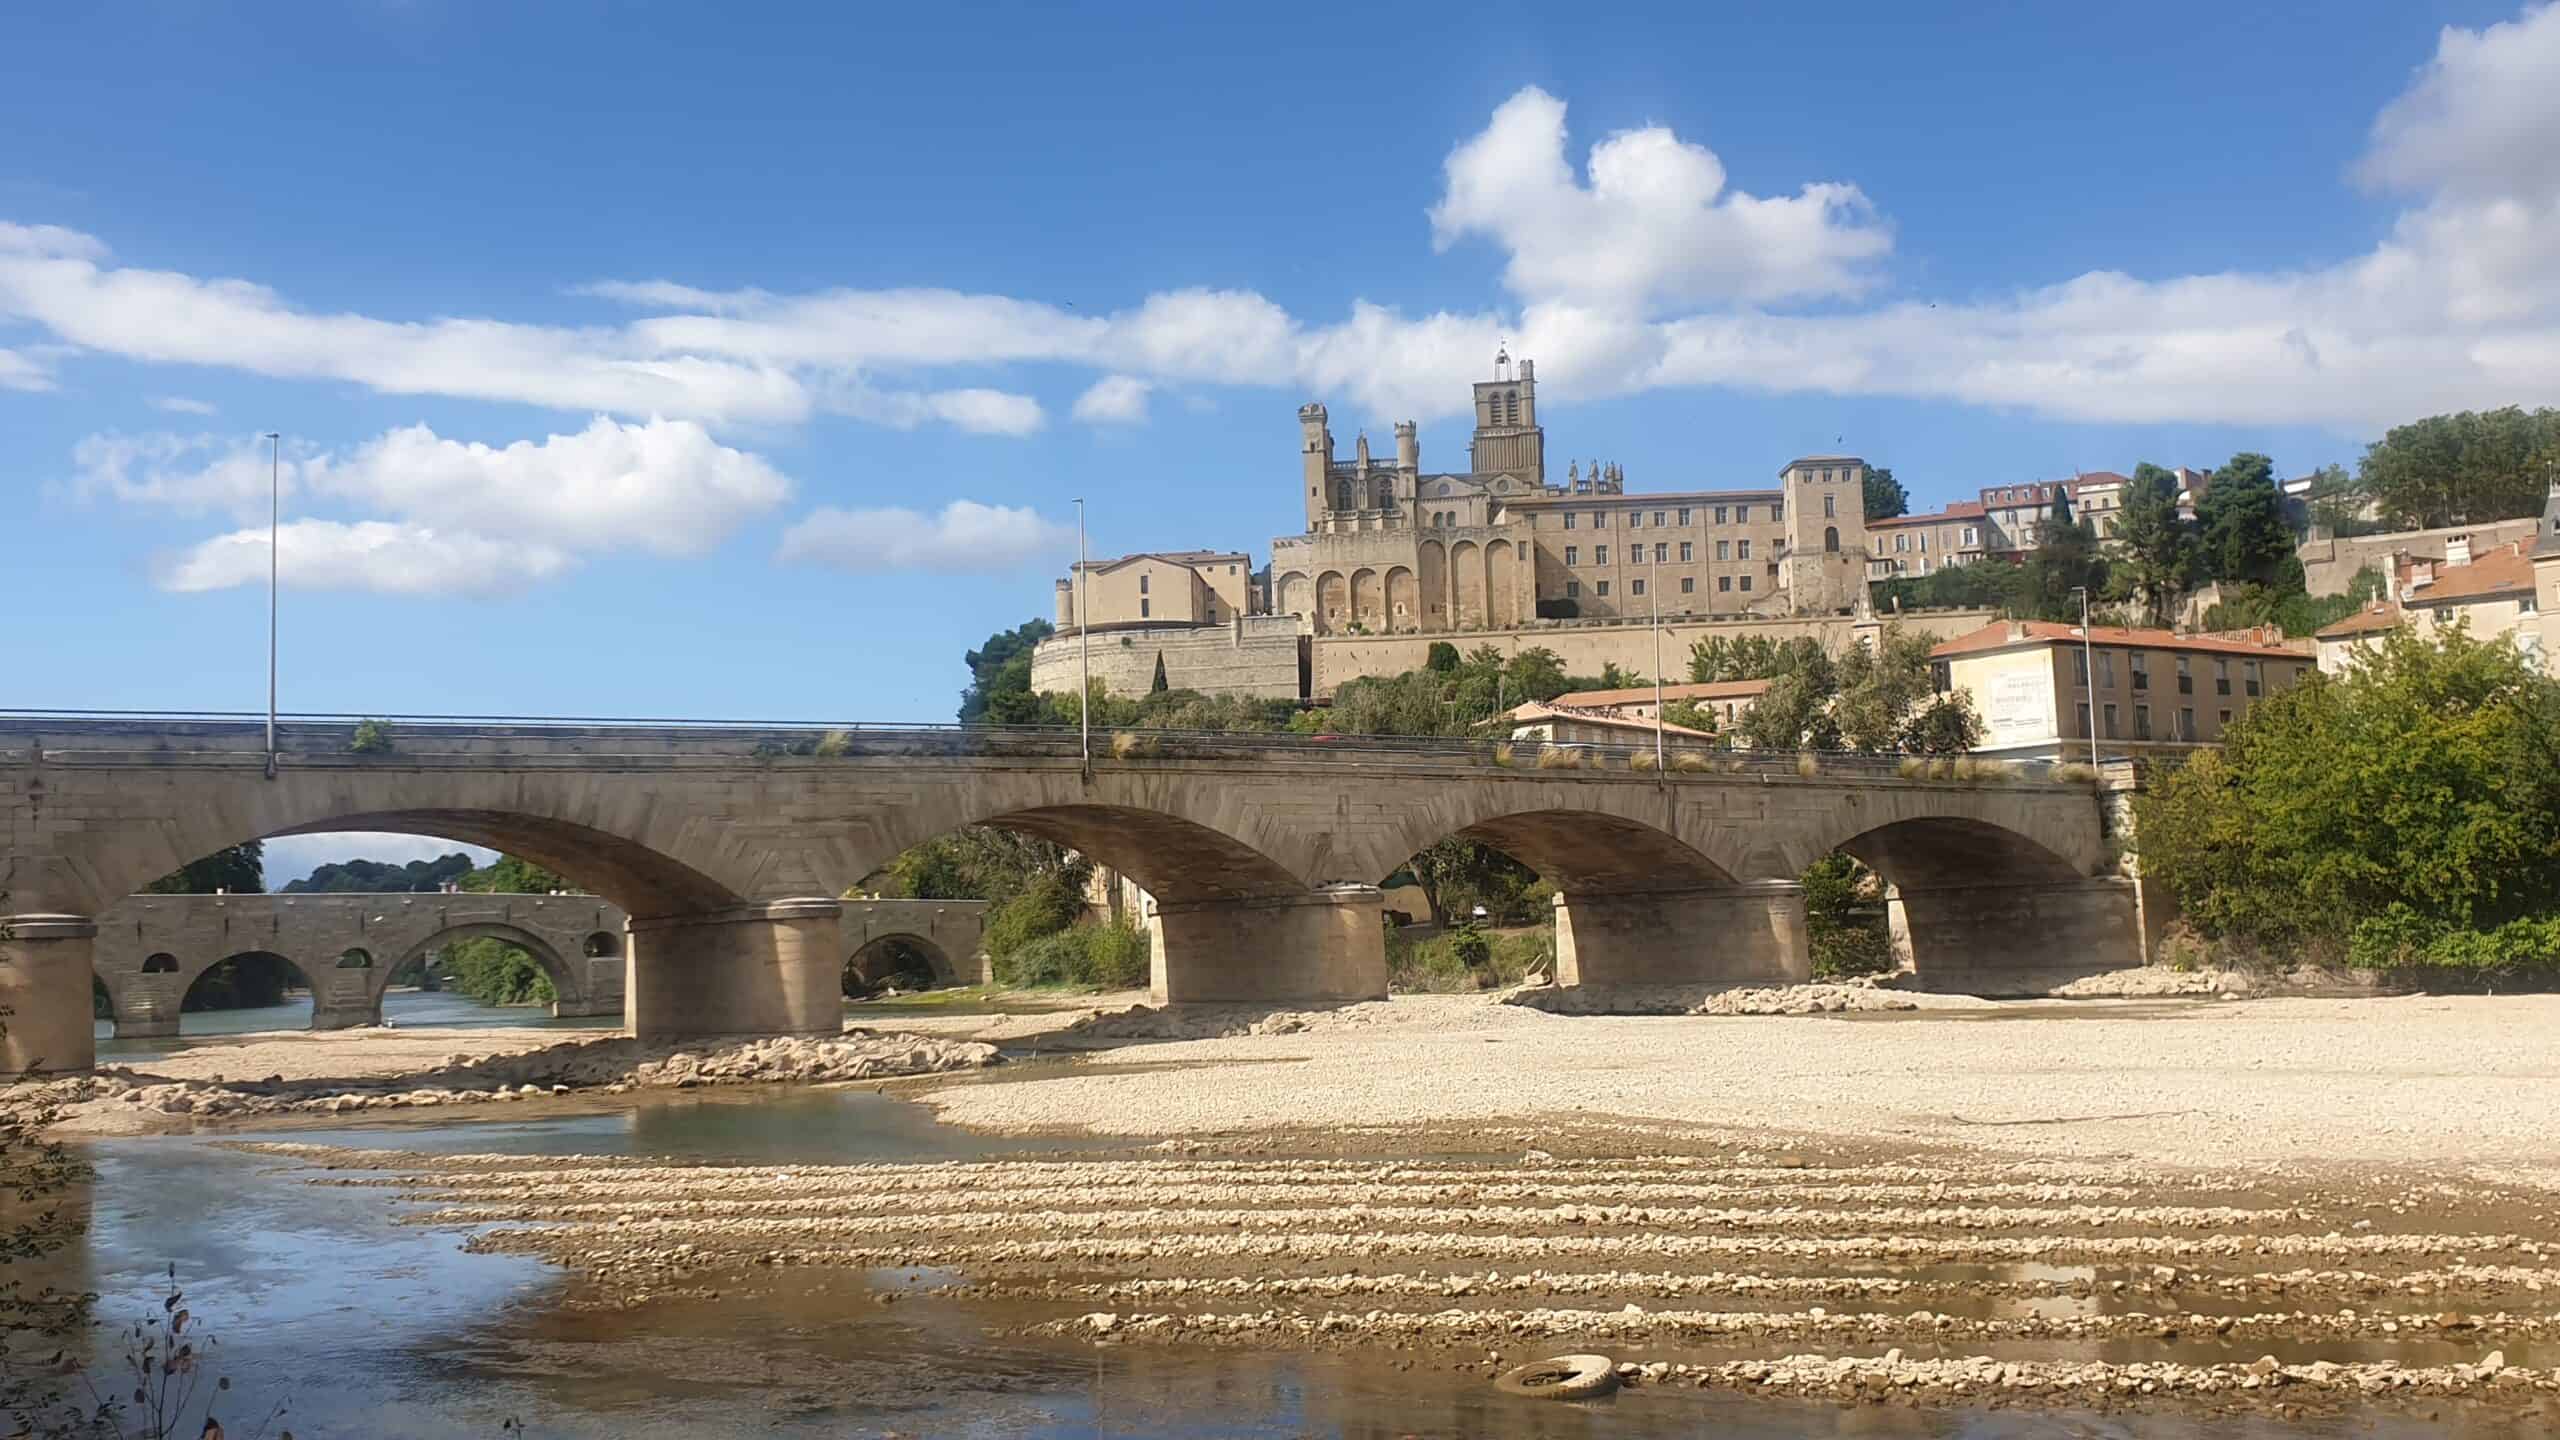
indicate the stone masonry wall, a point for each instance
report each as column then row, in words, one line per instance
column 1256, row 655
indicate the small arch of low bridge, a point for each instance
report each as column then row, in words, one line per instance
column 725, row 848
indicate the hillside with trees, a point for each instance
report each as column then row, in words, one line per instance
column 376, row 877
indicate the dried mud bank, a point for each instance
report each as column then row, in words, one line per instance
column 1822, row 1270
column 121, row 1099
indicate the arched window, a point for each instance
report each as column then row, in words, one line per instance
column 601, row 944
column 160, row 964
column 355, row 960
column 1831, row 539
column 1342, row 496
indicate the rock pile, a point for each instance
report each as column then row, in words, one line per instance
column 1818, row 998
column 614, row 1066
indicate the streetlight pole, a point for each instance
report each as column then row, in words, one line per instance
column 275, row 529
column 1084, row 643
column 2089, row 671
column 1656, row 589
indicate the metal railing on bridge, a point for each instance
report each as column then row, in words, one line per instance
column 176, row 732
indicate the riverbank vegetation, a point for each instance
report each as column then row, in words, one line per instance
column 2403, row 817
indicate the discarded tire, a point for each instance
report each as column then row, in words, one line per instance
column 1561, row 1377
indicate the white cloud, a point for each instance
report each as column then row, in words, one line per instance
column 664, row 486
column 1642, row 268
column 379, row 556
column 182, row 405
column 1114, row 400
column 23, row 372
column 965, row 538
column 1654, row 223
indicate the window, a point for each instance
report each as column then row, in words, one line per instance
column 1661, row 553
column 1635, row 519
column 2111, row 722
column 2186, row 723
column 1637, row 587
column 1342, row 496
column 1142, row 608
column 1901, row 543
column 1688, row 552
column 1572, row 589
column 2249, row 676
column 1742, row 549
column 1657, row 520
column 1724, row 583
column 2107, row 671
column 1830, row 539
column 1719, row 514
column 2084, row 718
column 2222, row 681
column 1924, row 542
column 1778, row 511
column 2186, row 678
column 1599, row 554
column 2080, row 665
column 1746, row 582
column 1573, row 554
column 1830, row 507
column 2141, row 722
column 1684, row 516
column 1688, row 584
column 1970, row 538
column 1724, row 549
column 1599, row 519
column 2140, row 662
column 1568, row 519
column 2226, row 719
column 1602, row 588
column 1142, row 584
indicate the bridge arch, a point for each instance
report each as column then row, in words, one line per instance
column 879, row 958
column 253, row 963
column 568, row 981
column 1977, row 903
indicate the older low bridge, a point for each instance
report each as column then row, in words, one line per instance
column 726, row 846
column 152, row 949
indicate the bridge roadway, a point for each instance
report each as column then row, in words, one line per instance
column 727, row 845
column 350, row 948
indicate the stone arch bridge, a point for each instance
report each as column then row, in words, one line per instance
column 151, row 949
column 726, row 846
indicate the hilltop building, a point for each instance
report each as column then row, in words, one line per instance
column 2154, row 692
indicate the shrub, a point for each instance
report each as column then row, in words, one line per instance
column 1503, row 754
column 1912, row 767
column 1128, row 745
column 1808, row 764
column 1851, row 950
column 2402, row 939
column 1471, row 947
column 1555, row 758
column 1108, row 957
column 373, row 737
column 1690, row 762
column 2183, row 949
column 1643, row 760
column 2073, row 774
column 1442, row 964
column 835, row 744
column 1044, row 907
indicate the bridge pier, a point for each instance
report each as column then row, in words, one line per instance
column 1320, row 948
column 771, row 968
column 1683, row 937
column 51, row 1022
column 1988, row 933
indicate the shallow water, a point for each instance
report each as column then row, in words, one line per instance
column 404, row 1008
column 365, row 1327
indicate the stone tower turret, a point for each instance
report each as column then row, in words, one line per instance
column 1508, row 440
column 1315, row 445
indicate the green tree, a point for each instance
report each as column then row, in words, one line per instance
column 2066, row 558
column 1690, row 715
column 241, row 870
column 2246, row 540
column 511, row 875
column 1442, row 657
column 2424, row 785
column 2466, row 468
column 999, row 691
column 1885, row 497
column 2156, row 549
column 376, row 877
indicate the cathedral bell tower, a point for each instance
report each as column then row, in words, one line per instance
column 1508, row 440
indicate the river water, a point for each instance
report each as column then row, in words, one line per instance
column 320, row 1300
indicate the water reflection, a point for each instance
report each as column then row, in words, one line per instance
column 407, row 1009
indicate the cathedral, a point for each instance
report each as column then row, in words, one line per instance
column 1392, row 550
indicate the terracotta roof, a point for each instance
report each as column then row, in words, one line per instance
column 2098, row 480
column 2002, row 634
column 1820, row 460
column 1688, row 690
column 2371, row 620
column 2502, row 574
column 1959, row 512
column 1632, row 498
column 1533, row 712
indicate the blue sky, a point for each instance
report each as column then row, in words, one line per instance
column 642, row 360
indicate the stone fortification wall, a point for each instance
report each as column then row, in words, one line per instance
column 1585, row 646
column 1254, row 655
column 2330, row 565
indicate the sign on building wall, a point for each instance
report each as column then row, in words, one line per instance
column 2018, row 708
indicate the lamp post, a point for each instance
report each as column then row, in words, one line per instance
column 275, row 528
column 1084, row 644
column 2088, row 670
column 1656, row 594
